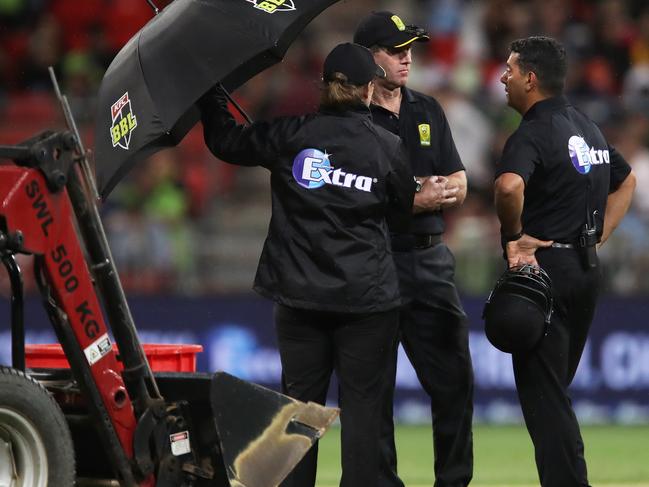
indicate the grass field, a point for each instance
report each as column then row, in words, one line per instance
column 616, row 456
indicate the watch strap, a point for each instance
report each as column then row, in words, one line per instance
column 510, row 238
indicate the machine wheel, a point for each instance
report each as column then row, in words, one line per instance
column 35, row 444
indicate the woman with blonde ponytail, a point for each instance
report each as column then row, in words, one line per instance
column 327, row 261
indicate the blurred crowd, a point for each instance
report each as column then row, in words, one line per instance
column 185, row 222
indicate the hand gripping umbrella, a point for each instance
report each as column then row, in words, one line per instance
column 146, row 98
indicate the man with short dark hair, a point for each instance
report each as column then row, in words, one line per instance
column 433, row 328
column 560, row 191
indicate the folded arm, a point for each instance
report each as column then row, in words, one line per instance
column 440, row 192
column 456, row 180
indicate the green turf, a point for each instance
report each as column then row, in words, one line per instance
column 616, row 455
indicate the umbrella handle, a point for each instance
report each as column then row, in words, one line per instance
column 236, row 105
column 153, row 6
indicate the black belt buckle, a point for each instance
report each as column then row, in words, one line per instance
column 408, row 242
column 426, row 241
column 560, row 245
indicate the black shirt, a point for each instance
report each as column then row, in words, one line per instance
column 334, row 175
column 567, row 166
column 423, row 127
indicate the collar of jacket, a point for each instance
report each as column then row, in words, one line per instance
column 359, row 109
column 546, row 105
column 407, row 95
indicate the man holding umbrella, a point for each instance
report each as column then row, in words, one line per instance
column 326, row 261
column 433, row 328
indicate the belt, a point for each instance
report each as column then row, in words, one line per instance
column 558, row 245
column 407, row 242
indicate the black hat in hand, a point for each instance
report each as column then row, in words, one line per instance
column 518, row 311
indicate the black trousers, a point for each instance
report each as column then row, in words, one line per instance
column 313, row 344
column 543, row 376
column 434, row 334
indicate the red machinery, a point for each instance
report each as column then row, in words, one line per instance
column 109, row 420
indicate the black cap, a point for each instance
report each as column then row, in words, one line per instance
column 386, row 29
column 354, row 61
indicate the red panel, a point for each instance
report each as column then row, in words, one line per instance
column 47, row 223
column 161, row 357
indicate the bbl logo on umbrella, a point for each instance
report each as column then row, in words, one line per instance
column 272, row 6
column 124, row 122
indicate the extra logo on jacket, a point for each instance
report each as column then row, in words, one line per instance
column 312, row 169
column 584, row 157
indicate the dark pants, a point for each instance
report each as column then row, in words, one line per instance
column 313, row 344
column 434, row 334
column 543, row 377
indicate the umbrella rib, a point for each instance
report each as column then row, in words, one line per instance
column 146, row 82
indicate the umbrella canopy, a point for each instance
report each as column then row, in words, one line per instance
column 147, row 96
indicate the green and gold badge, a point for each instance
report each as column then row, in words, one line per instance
column 424, row 134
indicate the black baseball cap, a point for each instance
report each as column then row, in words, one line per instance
column 354, row 61
column 386, row 29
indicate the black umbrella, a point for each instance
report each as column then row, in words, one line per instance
column 147, row 96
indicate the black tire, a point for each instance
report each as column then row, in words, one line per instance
column 34, row 434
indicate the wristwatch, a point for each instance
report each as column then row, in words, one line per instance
column 418, row 185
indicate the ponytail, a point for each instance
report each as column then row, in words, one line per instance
column 338, row 93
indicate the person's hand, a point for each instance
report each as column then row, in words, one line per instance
column 450, row 194
column 435, row 194
column 523, row 250
column 213, row 98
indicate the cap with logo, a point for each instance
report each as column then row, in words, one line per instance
column 354, row 61
column 386, row 29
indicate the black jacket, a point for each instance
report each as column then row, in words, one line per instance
column 334, row 178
